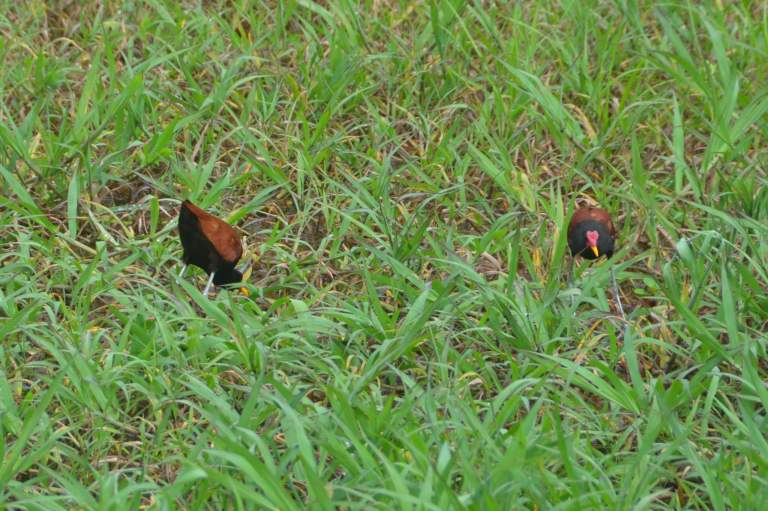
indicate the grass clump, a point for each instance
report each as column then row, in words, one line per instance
column 402, row 173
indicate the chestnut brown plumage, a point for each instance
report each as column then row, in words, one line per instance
column 591, row 233
column 209, row 243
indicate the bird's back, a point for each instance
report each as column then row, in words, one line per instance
column 208, row 241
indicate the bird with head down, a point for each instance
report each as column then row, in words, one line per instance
column 209, row 243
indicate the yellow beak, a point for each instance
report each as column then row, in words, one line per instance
column 595, row 251
column 245, row 292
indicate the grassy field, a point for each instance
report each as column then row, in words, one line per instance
column 401, row 173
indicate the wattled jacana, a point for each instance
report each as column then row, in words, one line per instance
column 590, row 235
column 209, row 243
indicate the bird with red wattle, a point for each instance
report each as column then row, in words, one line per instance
column 591, row 234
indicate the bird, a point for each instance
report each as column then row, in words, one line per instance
column 591, row 235
column 209, row 243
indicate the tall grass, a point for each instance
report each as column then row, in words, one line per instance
column 402, row 173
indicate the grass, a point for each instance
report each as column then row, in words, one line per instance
column 401, row 173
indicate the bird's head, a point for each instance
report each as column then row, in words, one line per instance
column 231, row 277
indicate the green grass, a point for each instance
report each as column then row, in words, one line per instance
column 401, row 173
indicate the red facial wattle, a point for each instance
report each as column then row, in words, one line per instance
column 592, row 237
